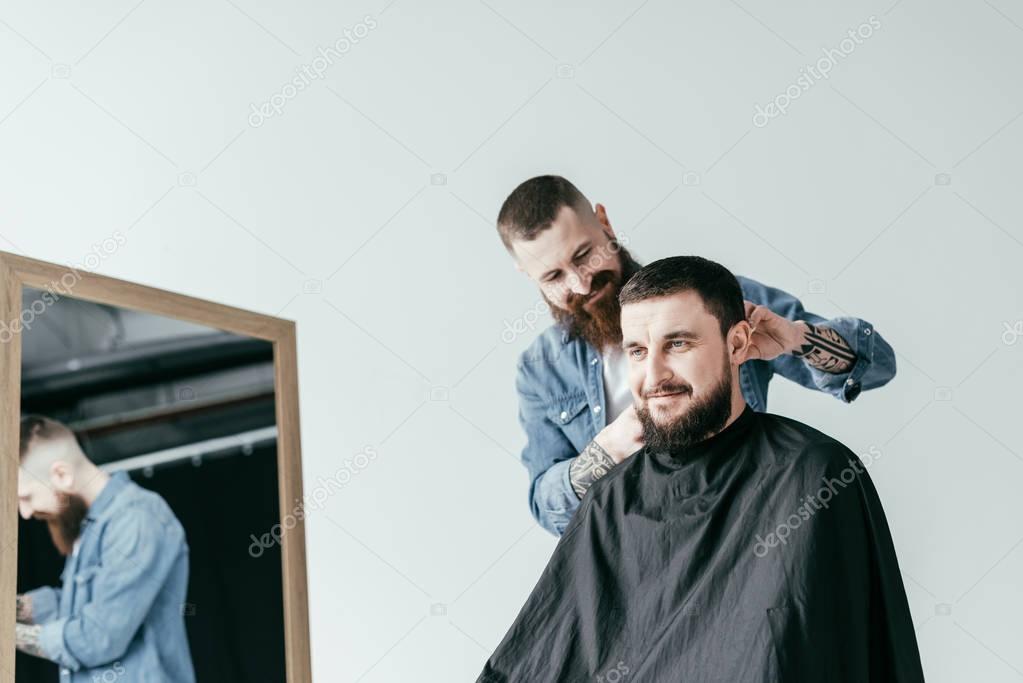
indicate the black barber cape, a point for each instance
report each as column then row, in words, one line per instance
column 759, row 555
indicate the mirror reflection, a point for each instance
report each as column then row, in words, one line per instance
column 148, row 541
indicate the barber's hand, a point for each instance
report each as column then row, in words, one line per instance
column 623, row 437
column 773, row 335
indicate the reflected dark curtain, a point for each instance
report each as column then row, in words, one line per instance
column 234, row 613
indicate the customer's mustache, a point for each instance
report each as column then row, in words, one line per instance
column 669, row 388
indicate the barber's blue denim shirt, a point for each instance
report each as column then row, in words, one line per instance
column 120, row 612
column 560, row 383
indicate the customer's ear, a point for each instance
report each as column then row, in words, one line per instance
column 739, row 342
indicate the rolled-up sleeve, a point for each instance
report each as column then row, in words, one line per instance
column 547, row 457
column 553, row 491
column 875, row 360
column 45, row 604
column 51, row 642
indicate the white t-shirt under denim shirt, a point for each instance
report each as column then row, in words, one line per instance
column 617, row 394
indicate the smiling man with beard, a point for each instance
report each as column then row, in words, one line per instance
column 662, row 574
column 572, row 381
column 120, row 609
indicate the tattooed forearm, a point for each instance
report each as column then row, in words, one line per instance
column 26, row 639
column 24, row 609
column 589, row 466
column 826, row 350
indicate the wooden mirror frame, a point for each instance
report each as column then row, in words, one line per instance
column 17, row 272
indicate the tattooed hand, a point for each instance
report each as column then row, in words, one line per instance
column 623, row 436
column 773, row 335
column 26, row 639
column 614, row 443
column 24, row 611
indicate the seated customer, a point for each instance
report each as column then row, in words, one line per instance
column 735, row 546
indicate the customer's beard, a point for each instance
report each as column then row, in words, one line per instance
column 601, row 327
column 703, row 419
column 66, row 525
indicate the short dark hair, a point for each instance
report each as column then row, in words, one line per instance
column 40, row 428
column 532, row 207
column 717, row 287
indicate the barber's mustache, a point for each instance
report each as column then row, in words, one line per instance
column 597, row 283
column 669, row 388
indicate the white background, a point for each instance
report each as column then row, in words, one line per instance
column 134, row 117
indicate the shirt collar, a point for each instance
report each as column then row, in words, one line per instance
column 567, row 336
column 118, row 480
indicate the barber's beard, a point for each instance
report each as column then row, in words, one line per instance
column 601, row 326
column 66, row 525
column 700, row 421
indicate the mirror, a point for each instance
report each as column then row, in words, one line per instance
column 151, row 543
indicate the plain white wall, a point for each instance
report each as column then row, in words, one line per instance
column 363, row 209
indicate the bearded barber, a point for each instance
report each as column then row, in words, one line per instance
column 574, row 399
column 120, row 610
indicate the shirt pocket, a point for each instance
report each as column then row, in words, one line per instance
column 83, row 587
column 568, row 414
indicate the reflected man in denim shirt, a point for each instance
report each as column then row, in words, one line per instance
column 120, row 612
column 572, row 382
